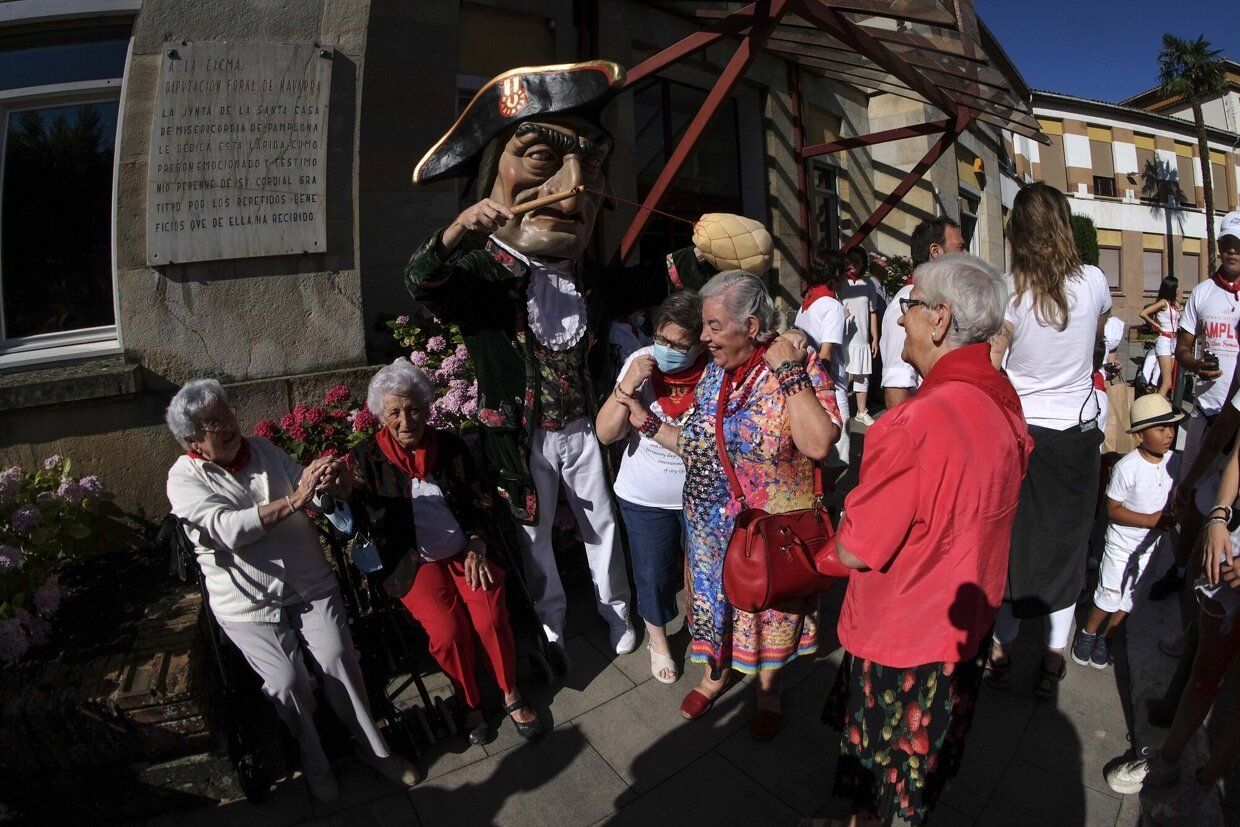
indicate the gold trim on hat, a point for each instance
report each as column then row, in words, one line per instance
column 614, row 71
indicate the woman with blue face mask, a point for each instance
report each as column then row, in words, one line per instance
column 650, row 484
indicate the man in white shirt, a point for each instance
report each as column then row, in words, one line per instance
column 930, row 240
column 1210, row 315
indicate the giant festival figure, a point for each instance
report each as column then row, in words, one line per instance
column 511, row 272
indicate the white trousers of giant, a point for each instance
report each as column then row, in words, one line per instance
column 273, row 650
column 573, row 456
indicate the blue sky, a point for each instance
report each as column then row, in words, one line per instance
column 1103, row 49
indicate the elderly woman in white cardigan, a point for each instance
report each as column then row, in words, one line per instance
column 269, row 584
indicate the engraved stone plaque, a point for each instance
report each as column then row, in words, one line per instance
column 238, row 152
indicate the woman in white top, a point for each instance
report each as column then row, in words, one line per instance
column 823, row 319
column 861, row 301
column 1052, row 335
column 269, row 584
column 651, row 480
column 1164, row 317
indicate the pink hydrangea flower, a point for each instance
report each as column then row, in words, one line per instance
column 316, row 415
column 297, row 432
column 419, row 358
column 336, row 394
column 461, row 352
column 287, row 421
column 435, row 344
column 339, row 413
column 25, row 518
column 71, row 491
column 13, row 640
column 329, row 451
column 52, row 461
column 329, row 431
column 265, row 428
column 11, row 558
column 10, row 480
column 402, row 320
column 299, row 412
column 47, row 600
column 91, row 484
column 364, row 420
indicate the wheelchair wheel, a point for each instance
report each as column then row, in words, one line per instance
column 424, row 726
column 542, row 667
column 445, row 714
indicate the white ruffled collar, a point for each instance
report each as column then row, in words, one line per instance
column 554, row 306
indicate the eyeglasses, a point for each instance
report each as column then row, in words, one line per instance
column 905, row 304
column 670, row 345
column 216, row 424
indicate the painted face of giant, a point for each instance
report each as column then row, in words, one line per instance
column 546, row 157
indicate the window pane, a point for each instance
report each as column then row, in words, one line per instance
column 63, row 56
column 1186, row 269
column 1151, row 261
column 1104, row 186
column 1108, row 262
column 55, row 227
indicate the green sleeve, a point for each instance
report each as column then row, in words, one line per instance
column 443, row 286
column 648, row 283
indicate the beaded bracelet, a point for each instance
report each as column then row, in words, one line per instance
column 794, row 385
column 788, row 368
column 1220, row 520
column 650, row 427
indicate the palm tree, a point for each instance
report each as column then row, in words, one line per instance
column 1192, row 70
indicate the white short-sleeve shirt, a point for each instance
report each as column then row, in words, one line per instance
column 823, row 323
column 1143, row 487
column 649, row 474
column 897, row 373
column 1052, row 370
column 1211, row 315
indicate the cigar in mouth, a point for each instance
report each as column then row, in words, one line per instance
column 547, row 199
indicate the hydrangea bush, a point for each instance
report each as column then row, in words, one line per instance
column 330, row 429
column 439, row 349
column 891, row 271
column 47, row 516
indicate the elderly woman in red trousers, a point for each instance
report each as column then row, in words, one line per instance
column 925, row 537
column 415, row 497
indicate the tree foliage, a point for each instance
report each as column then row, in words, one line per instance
column 1086, row 236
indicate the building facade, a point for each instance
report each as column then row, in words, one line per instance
column 100, row 323
column 1137, row 175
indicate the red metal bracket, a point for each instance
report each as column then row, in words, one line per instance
column 766, row 17
column 959, row 123
column 874, row 138
column 741, row 19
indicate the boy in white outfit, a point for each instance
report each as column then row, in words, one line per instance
column 1137, row 497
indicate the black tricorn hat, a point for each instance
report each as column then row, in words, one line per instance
column 518, row 95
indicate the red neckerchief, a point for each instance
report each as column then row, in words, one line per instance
column 909, row 281
column 972, row 364
column 674, row 391
column 416, row 462
column 822, row 291
column 240, row 461
column 1232, row 287
column 736, row 376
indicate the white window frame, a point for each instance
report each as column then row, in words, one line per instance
column 65, row 345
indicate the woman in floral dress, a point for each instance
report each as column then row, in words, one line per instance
column 780, row 417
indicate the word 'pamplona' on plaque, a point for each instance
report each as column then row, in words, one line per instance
column 238, row 152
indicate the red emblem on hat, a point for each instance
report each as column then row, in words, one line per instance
column 512, row 97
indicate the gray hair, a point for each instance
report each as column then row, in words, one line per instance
column 682, row 308
column 974, row 291
column 743, row 295
column 401, row 378
column 185, row 411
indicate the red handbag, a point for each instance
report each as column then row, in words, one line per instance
column 770, row 558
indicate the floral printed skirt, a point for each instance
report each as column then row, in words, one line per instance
column 903, row 732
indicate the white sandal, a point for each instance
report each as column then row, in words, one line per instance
column 659, row 662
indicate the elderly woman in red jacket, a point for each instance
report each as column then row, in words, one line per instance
column 925, row 536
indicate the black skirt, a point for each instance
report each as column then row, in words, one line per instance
column 903, row 733
column 1054, row 518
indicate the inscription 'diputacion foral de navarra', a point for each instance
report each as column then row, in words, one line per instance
column 238, row 152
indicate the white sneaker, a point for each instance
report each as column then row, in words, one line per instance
column 1148, row 769
column 626, row 642
column 324, row 787
column 864, row 418
column 1191, row 803
column 393, row 767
